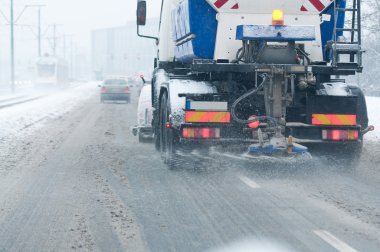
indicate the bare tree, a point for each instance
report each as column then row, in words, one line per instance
column 369, row 79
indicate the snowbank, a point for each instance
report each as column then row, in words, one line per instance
column 14, row 119
column 373, row 106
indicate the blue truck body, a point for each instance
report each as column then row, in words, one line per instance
column 194, row 29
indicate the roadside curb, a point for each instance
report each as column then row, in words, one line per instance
column 10, row 104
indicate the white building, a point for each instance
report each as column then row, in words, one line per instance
column 119, row 51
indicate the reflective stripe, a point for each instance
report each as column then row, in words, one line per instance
column 226, row 4
column 326, row 119
column 219, row 3
column 207, row 117
column 315, row 5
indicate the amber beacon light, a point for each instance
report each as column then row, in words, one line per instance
column 277, row 17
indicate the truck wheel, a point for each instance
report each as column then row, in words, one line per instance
column 352, row 154
column 157, row 138
column 141, row 139
column 343, row 156
column 167, row 138
column 347, row 155
column 361, row 107
column 156, row 129
column 353, row 151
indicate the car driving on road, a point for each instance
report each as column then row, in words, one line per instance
column 115, row 89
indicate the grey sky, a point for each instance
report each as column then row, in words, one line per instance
column 76, row 18
column 80, row 16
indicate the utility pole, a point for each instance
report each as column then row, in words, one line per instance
column 71, row 59
column 39, row 6
column 12, row 50
column 39, row 32
column 54, row 39
column 64, row 46
column 12, row 22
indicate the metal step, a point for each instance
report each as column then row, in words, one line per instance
column 347, row 48
column 348, row 66
column 347, row 43
column 346, row 9
column 347, row 29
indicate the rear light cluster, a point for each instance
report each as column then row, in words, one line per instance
column 205, row 133
column 126, row 90
column 254, row 124
column 104, row 90
column 340, row 135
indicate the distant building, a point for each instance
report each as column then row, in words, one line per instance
column 119, row 51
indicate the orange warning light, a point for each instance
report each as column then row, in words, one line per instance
column 277, row 17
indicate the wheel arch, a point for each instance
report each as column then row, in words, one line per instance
column 362, row 112
column 177, row 104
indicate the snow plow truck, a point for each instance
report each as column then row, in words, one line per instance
column 264, row 76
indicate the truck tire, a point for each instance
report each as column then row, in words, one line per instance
column 156, row 138
column 349, row 154
column 142, row 139
column 362, row 114
column 168, row 143
column 353, row 151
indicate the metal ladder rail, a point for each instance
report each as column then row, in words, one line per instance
column 355, row 16
column 355, row 28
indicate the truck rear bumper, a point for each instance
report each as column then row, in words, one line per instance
column 305, row 133
column 301, row 133
column 239, row 141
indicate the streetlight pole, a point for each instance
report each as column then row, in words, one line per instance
column 54, row 39
column 39, row 32
column 12, row 50
column 39, row 35
column 12, row 22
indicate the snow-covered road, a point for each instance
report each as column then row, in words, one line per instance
column 34, row 113
column 54, row 105
column 72, row 177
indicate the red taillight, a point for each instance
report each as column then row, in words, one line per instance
column 205, row 133
column 340, row 135
column 185, row 133
column 254, row 124
column 335, row 134
column 126, row 90
column 104, row 90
